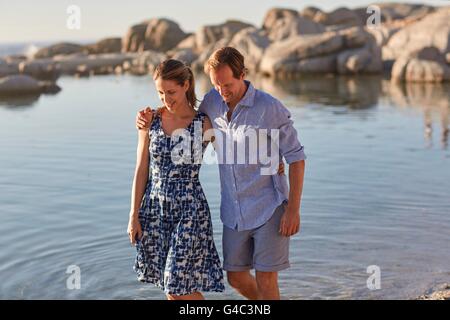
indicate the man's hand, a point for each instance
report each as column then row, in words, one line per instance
column 144, row 118
column 281, row 168
column 290, row 222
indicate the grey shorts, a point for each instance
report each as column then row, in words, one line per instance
column 263, row 248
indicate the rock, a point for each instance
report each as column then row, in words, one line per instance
column 291, row 26
column 162, row 35
column 155, row 34
column 8, row 68
column 252, row 43
column 188, row 43
column 365, row 59
column 187, row 55
column 198, row 64
column 49, row 87
column 18, row 85
column 134, row 39
column 440, row 293
column 275, row 14
column 391, row 11
column 310, row 12
column 143, row 63
column 109, row 45
column 210, row 35
column 58, row 49
column 320, row 64
column 383, row 33
column 425, row 65
column 343, row 17
column 42, row 69
column 431, row 31
column 92, row 64
column 347, row 51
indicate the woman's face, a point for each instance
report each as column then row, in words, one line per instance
column 171, row 93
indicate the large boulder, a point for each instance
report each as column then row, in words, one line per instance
column 155, row 34
column 16, row 85
column 424, row 65
column 64, row 48
column 134, row 38
column 162, row 35
column 143, row 63
column 187, row 55
column 341, row 17
column 210, row 35
column 310, row 12
column 362, row 59
column 42, row 69
column 431, row 31
column 92, row 64
column 347, row 51
column 391, row 11
column 8, row 68
column 198, row 64
column 252, row 43
column 275, row 14
column 108, row 45
column 292, row 26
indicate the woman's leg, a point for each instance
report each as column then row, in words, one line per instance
column 192, row 296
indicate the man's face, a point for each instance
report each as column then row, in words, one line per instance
column 226, row 84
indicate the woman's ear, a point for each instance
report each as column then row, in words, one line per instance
column 186, row 86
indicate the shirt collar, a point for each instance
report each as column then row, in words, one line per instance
column 249, row 97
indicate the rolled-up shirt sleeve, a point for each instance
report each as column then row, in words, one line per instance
column 290, row 147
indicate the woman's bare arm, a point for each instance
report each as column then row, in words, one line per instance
column 141, row 172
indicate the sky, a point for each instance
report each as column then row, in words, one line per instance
column 46, row 20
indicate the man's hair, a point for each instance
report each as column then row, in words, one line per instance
column 227, row 56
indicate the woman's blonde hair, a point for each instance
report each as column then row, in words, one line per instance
column 179, row 72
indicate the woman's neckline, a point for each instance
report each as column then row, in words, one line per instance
column 183, row 128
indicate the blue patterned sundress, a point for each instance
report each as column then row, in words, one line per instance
column 177, row 251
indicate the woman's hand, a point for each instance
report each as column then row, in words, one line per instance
column 134, row 229
column 144, row 118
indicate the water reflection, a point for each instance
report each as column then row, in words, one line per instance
column 362, row 92
column 354, row 93
column 19, row 101
column 433, row 99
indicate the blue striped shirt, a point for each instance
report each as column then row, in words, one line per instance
column 249, row 198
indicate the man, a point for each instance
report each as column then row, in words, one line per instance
column 258, row 212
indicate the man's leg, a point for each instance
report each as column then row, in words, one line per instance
column 271, row 255
column 244, row 283
column 238, row 261
column 267, row 283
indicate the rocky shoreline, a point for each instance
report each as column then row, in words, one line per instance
column 442, row 292
column 411, row 44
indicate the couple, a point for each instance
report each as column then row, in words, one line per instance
column 170, row 221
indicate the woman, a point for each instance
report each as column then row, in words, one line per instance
column 170, row 221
